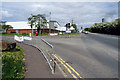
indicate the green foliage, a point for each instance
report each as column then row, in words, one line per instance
column 88, row 29
column 13, row 64
column 74, row 26
column 66, row 34
column 6, row 27
column 38, row 21
column 8, row 34
column 106, row 27
column 24, row 34
column 73, row 31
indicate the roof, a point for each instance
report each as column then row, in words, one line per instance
column 20, row 25
column 25, row 25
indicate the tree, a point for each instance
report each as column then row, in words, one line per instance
column 107, row 27
column 31, row 21
column 86, row 29
column 38, row 21
column 75, row 26
column 6, row 27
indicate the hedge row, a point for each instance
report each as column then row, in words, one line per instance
column 13, row 64
column 106, row 27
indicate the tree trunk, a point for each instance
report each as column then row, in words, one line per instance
column 38, row 30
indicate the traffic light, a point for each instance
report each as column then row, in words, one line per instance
column 81, row 27
column 68, row 25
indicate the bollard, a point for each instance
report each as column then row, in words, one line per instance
column 54, row 65
column 30, row 34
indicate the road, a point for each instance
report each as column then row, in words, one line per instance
column 91, row 55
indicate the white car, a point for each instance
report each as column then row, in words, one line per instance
column 86, row 32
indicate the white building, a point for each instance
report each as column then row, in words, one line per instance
column 23, row 26
column 20, row 25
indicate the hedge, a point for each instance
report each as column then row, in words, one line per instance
column 106, row 27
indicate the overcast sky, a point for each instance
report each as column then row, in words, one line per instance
column 83, row 13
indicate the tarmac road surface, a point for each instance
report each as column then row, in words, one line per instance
column 91, row 55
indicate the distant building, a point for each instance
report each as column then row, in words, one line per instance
column 50, row 27
column 54, row 25
column 24, row 27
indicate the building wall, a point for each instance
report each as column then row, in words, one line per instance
column 30, row 31
column 10, row 31
column 20, row 31
column 51, row 25
column 49, row 31
column 25, row 31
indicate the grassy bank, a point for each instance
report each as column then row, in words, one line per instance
column 13, row 64
column 22, row 34
column 43, row 34
column 66, row 34
column 12, row 34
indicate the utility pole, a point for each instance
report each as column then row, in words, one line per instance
column 50, row 15
column 72, row 21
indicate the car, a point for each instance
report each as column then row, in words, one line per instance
column 85, row 32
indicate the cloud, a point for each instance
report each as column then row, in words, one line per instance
column 83, row 13
column 5, row 13
column 60, row 0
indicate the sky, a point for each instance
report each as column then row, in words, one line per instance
column 83, row 14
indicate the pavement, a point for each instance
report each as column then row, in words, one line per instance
column 90, row 55
column 36, row 65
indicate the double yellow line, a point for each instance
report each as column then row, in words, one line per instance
column 67, row 66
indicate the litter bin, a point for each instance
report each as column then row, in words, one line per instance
column 30, row 34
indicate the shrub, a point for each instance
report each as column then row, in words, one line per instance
column 107, row 27
column 13, row 64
